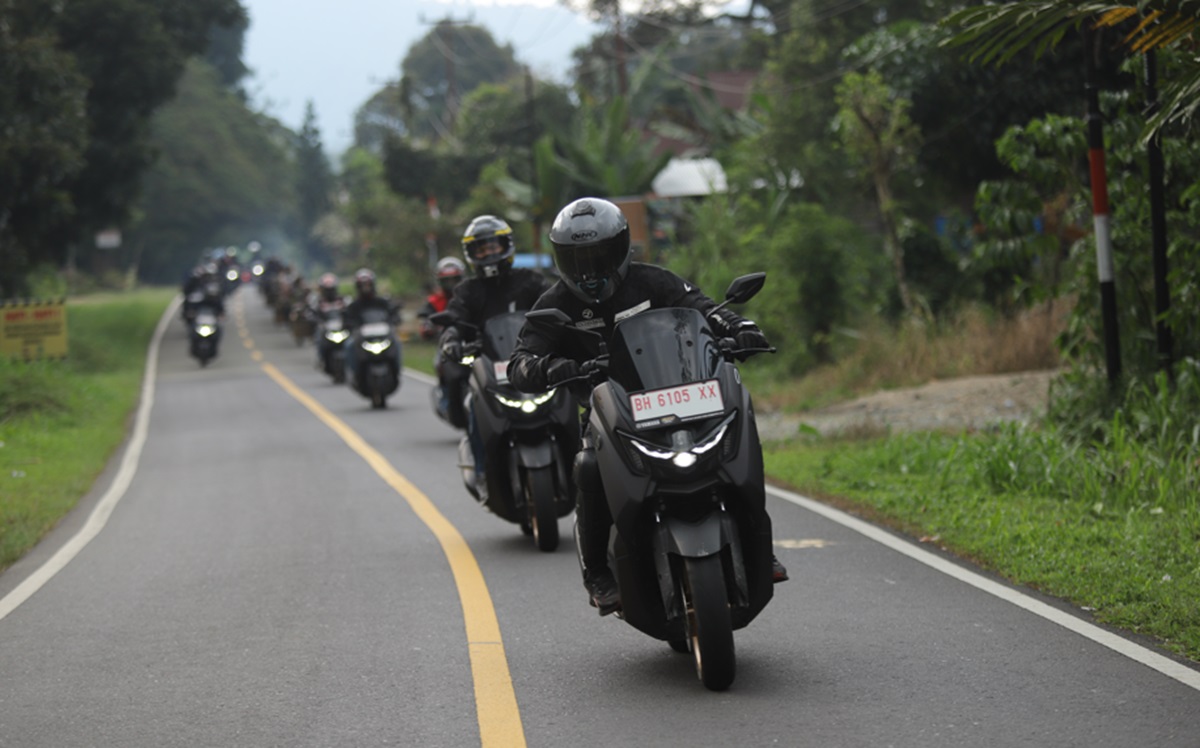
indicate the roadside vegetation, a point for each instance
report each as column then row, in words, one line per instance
column 61, row 421
column 1107, row 520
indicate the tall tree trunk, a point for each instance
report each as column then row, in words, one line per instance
column 891, row 239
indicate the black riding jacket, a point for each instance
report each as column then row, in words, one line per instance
column 476, row 300
column 353, row 316
column 644, row 287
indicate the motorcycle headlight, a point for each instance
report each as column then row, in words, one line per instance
column 231, row 275
column 376, row 347
column 205, row 331
column 336, row 336
column 526, row 404
column 681, row 453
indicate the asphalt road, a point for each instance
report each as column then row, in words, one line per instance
column 261, row 582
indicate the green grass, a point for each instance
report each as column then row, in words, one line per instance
column 418, row 355
column 1114, row 529
column 61, row 421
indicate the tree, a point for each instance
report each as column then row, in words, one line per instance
column 314, row 185
column 224, row 53
column 224, row 176
column 381, row 117
column 881, row 140
column 43, row 139
column 998, row 33
column 132, row 53
column 606, row 157
column 446, row 64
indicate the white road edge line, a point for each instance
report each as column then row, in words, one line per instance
column 420, row 376
column 104, row 508
column 1120, row 645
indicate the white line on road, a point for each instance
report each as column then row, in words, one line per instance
column 1120, row 645
column 104, row 508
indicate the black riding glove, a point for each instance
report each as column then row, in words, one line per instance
column 561, row 370
column 452, row 350
column 751, row 337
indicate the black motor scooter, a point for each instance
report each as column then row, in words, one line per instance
column 681, row 464
column 331, row 337
column 377, row 358
column 204, row 333
column 530, row 439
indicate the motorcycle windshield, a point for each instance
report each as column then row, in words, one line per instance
column 500, row 335
column 376, row 323
column 661, row 348
column 375, row 314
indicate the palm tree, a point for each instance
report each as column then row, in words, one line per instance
column 997, row 33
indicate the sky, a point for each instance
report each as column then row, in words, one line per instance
column 338, row 53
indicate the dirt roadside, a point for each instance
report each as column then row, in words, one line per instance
column 968, row 403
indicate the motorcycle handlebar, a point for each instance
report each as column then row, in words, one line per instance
column 730, row 350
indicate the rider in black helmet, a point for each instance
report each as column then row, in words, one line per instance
column 496, row 287
column 366, row 296
column 599, row 285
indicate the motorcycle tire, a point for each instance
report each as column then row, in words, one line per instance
column 540, row 508
column 709, row 625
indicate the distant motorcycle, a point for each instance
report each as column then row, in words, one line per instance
column 377, row 358
column 204, row 334
column 682, row 470
column 530, row 439
column 331, row 337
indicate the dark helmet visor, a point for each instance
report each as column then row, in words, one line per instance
column 590, row 262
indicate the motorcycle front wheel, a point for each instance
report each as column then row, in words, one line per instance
column 709, row 626
column 540, row 508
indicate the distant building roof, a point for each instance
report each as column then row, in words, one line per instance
column 690, row 177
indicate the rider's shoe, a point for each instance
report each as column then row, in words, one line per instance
column 481, row 488
column 602, row 591
column 778, row 571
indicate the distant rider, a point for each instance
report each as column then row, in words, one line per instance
column 495, row 288
column 366, row 297
column 450, row 272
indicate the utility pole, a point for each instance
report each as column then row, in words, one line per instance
column 1158, row 226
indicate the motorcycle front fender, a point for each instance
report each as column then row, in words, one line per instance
column 533, row 456
column 694, row 539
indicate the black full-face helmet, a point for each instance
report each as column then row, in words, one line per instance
column 591, row 248
column 364, row 283
column 488, row 246
column 328, row 287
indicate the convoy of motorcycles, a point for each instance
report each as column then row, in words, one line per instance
column 678, row 449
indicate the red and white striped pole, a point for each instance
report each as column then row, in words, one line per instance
column 1100, row 215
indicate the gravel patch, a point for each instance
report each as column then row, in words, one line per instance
column 963, row 404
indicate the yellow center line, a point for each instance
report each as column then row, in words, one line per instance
column 495, row 699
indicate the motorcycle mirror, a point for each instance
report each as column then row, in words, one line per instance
column 548, row 320
column 441, row 319
column 743, row 288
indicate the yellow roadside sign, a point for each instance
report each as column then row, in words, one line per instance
column 33, row 329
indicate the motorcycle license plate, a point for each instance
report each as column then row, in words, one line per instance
column 681, row 403
column 501, row 369
column 376, row 330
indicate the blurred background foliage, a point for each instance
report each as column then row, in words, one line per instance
column 879, row 172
